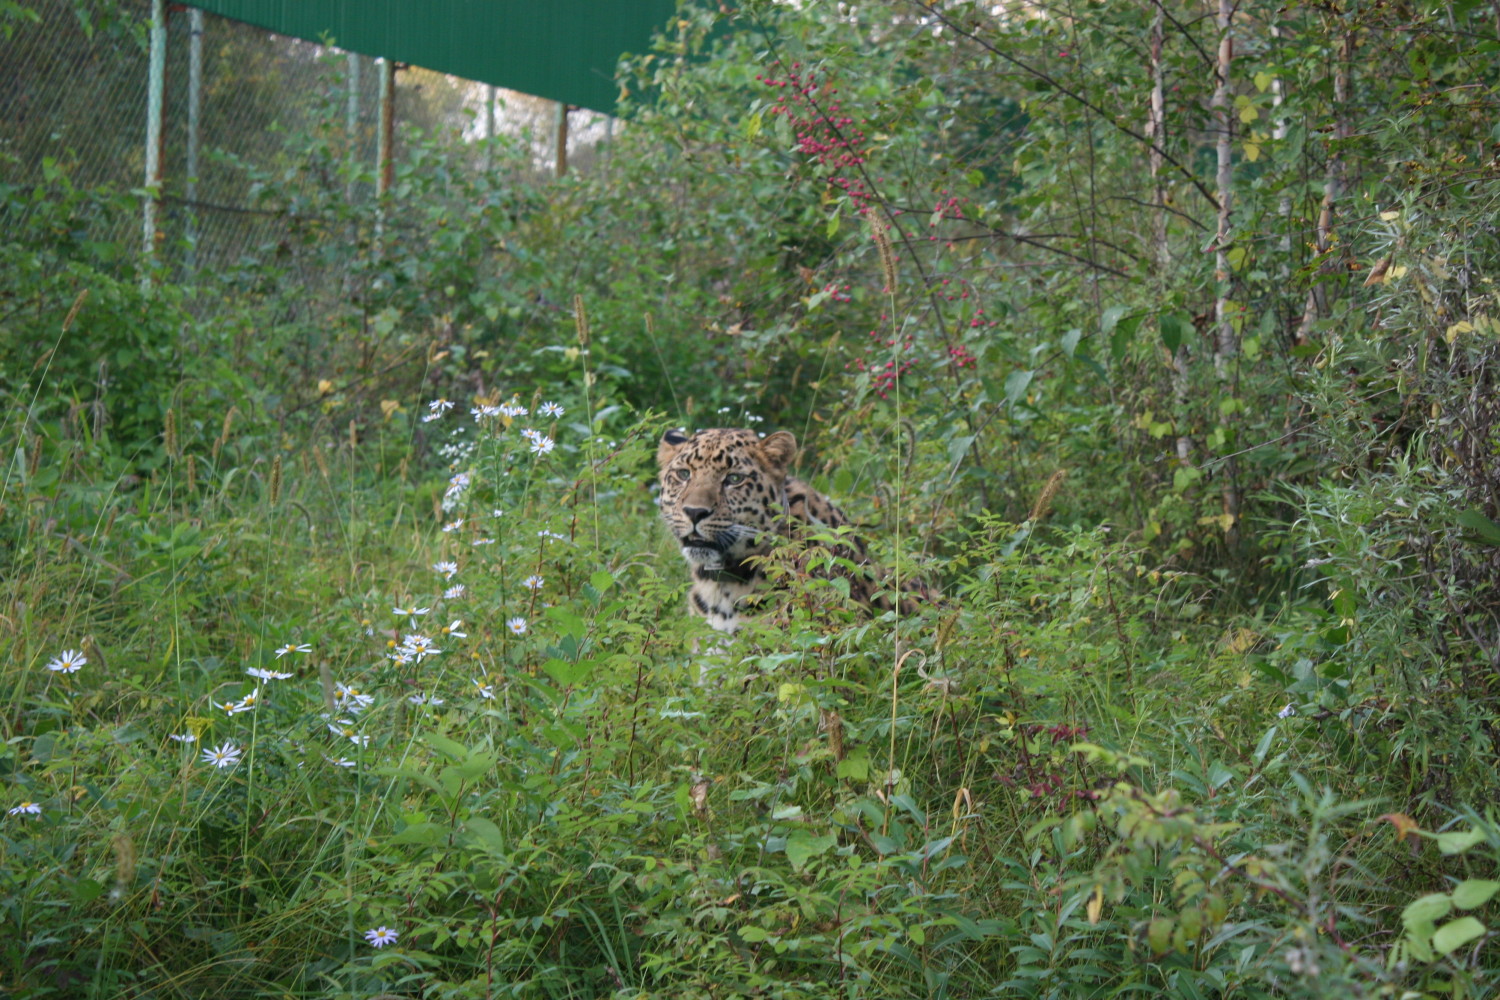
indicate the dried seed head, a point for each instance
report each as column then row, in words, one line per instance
column 1044, row 499
column 73, row 312
column 319, row 458
column 276, row 481
column 192, row 474
column 887, row 252
column 169, row 434
column 581, row 320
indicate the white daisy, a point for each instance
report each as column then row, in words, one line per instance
column 293, row 648
column 70, row 661
column 516, row 625
column 532, row 582
column 24, row 809
column 454, row 592
column 380, row 936
column 550, row 410
column 484, row 690
column 446, row 569
column 266, row 675
column 224, row 755
column 542, row 445
column 453, row 526
column 183, row 737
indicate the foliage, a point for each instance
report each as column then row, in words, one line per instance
column 1208, row 707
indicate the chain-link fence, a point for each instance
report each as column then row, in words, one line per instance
column 242, row 111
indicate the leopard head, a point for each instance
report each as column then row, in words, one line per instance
column 722, row 491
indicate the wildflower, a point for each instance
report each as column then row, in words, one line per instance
column 446, row 569
column 437, row 408
column 224, row 755
column 482, row 541
column 453, row 526
column 550, row 410
column 293, row 648
column 401, row 656
column 532, row 582
column 542, row 445
column 380, row 936
column 350, row 699
column 452, row 628
column 411, row 612
column 183, row 737
column 342, row 727
column 424, row 699
column 266, row 675
column 454, row 592
column 554, row 536
column 24, row 809
column 340, row 761
column 512, row 409
column 516, row 625
column 457, row 484
column 245, row 704
column 484, row 410
column 1287, row 712
column 69, row 662
column 360, row 740
column 484, row 690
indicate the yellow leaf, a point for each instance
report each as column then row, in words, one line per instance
column 1399, row 271
column 324, row 387
column 1252, row 151
column 1096, row 904
column 1389, row 216
column 1460, row 327
column 388, row 407
column 1249, row 113
column 1263, row 81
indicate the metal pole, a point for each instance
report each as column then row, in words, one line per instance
column 155, row 91
column 351, row 123
column 562, row 138
column 195, row 97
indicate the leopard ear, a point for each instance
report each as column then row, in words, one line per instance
column 671, row 443
column 780, row 449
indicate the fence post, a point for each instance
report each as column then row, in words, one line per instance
column 155, row 93
column 562, row 138
column 489, row 127
column 195, row 99
column 351, row 124
column 387, row 172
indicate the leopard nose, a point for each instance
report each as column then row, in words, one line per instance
column 696, row 514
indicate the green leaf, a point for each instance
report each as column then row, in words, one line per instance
column 1458, row 841
column 1016, row 384
column 1173, row 330
column 567, row 673
column 802, row 847
column 420, row 833
column 1070, row 341
column 1481, row 527
column 1456, row 934
column 1474, row 892
column 1426, row 909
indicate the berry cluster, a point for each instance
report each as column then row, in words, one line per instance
column 826, row 134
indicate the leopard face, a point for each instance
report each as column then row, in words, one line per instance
column 723, row 492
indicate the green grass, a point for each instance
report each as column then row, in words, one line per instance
column 1070, row 781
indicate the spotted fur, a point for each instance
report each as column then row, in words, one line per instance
column 726, row 495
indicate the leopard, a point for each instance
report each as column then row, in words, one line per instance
column 727, row 496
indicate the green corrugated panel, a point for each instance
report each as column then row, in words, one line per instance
column 565, row 50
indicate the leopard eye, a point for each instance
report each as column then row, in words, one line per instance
column 683, row 475
column 734, row 479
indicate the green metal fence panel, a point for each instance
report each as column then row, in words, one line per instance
column 566, row 50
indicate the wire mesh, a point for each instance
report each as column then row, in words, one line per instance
column 251, row 122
